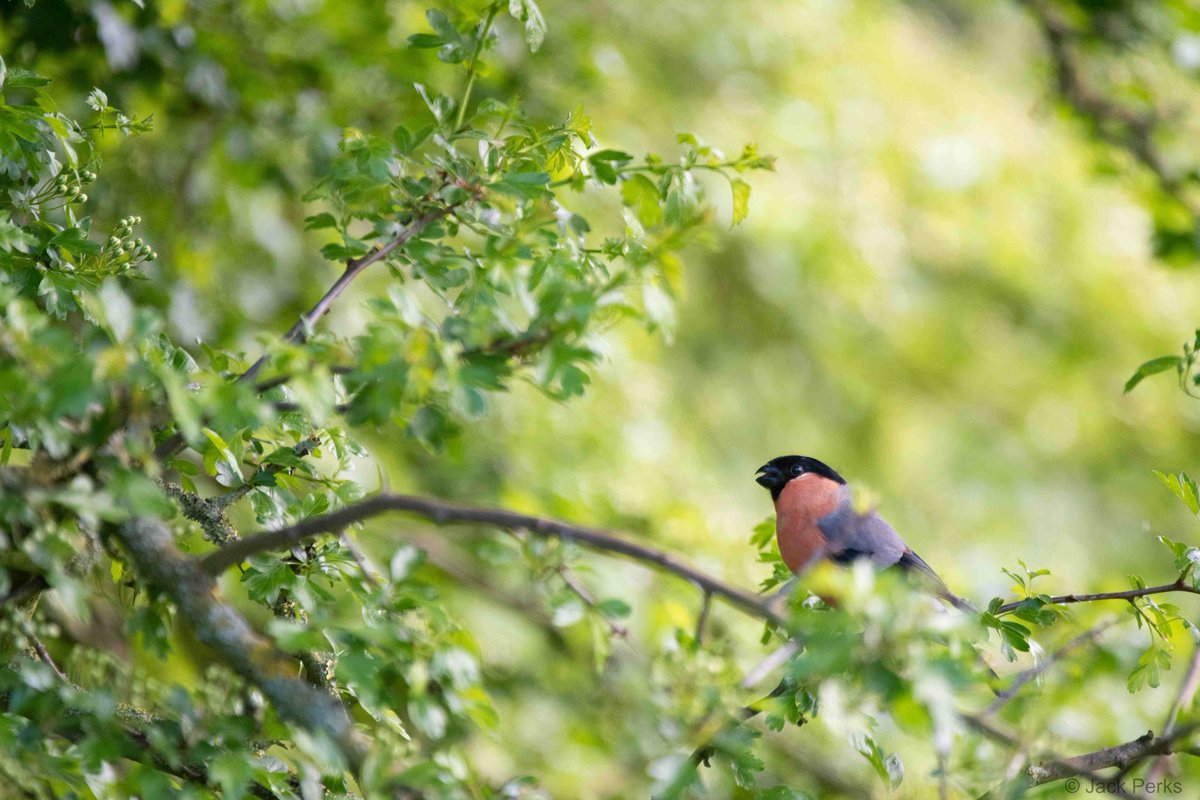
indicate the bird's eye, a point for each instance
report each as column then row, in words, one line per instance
column 796, row 470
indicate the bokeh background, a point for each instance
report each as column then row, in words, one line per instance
column 940, row 291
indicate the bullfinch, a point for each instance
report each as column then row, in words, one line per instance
column 815, row 519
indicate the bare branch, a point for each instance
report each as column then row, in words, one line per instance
column 443, row 513
column 581, row 591
column 1128, row 594
column 280, row 380
column 208, row 512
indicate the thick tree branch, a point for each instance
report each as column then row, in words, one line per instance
column 443, row 513
column 981, row 725
column 1121, row 755
column 1128, row 594
column 1115, row 123
column 156, row 559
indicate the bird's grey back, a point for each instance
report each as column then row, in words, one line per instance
column 851, row 536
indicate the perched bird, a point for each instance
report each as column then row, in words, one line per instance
column 815, row 519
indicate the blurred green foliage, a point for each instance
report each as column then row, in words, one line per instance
column 982, row 219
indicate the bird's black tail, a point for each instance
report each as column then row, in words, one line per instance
column 914, row 563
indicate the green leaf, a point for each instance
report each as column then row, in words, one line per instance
column 1183, row 487
column 221, row 462
column 13, row 237
column 741, row 199
column 763, row 533
column 614, row 608
column 442, row 25
column 610, row 155
column 640, row 193
column 318, row 221
column 233, row 772
column 1034, row 610
column 425, row 41
column 1148, row 669
column 888, row 767
column 266, row 578
column 23, row 79
column 1152, row 367
column 527, row 11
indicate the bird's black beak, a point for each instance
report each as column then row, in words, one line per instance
column 769, row 477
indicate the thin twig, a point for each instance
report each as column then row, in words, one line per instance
column 702, row 620
column 301, row 449
column 285, row 406
column 443, row 513
column 42, row 653
column 473, row 65
column 354, row 268
column 369, row 572
column 1121, row 755
column 299, row 331
column 770, row 664
column 280, row 380
column 583, row 593
column 1128, row 594
column 1003, row 696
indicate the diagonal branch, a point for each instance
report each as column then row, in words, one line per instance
column 1091, row 635
column 443, row 513
column 354, row 268
column 1114, row 123
column 299, row 331
column 154, row 556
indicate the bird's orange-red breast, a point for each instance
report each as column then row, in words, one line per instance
column 802, row 504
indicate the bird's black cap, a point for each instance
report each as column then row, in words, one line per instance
column 776, row 473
